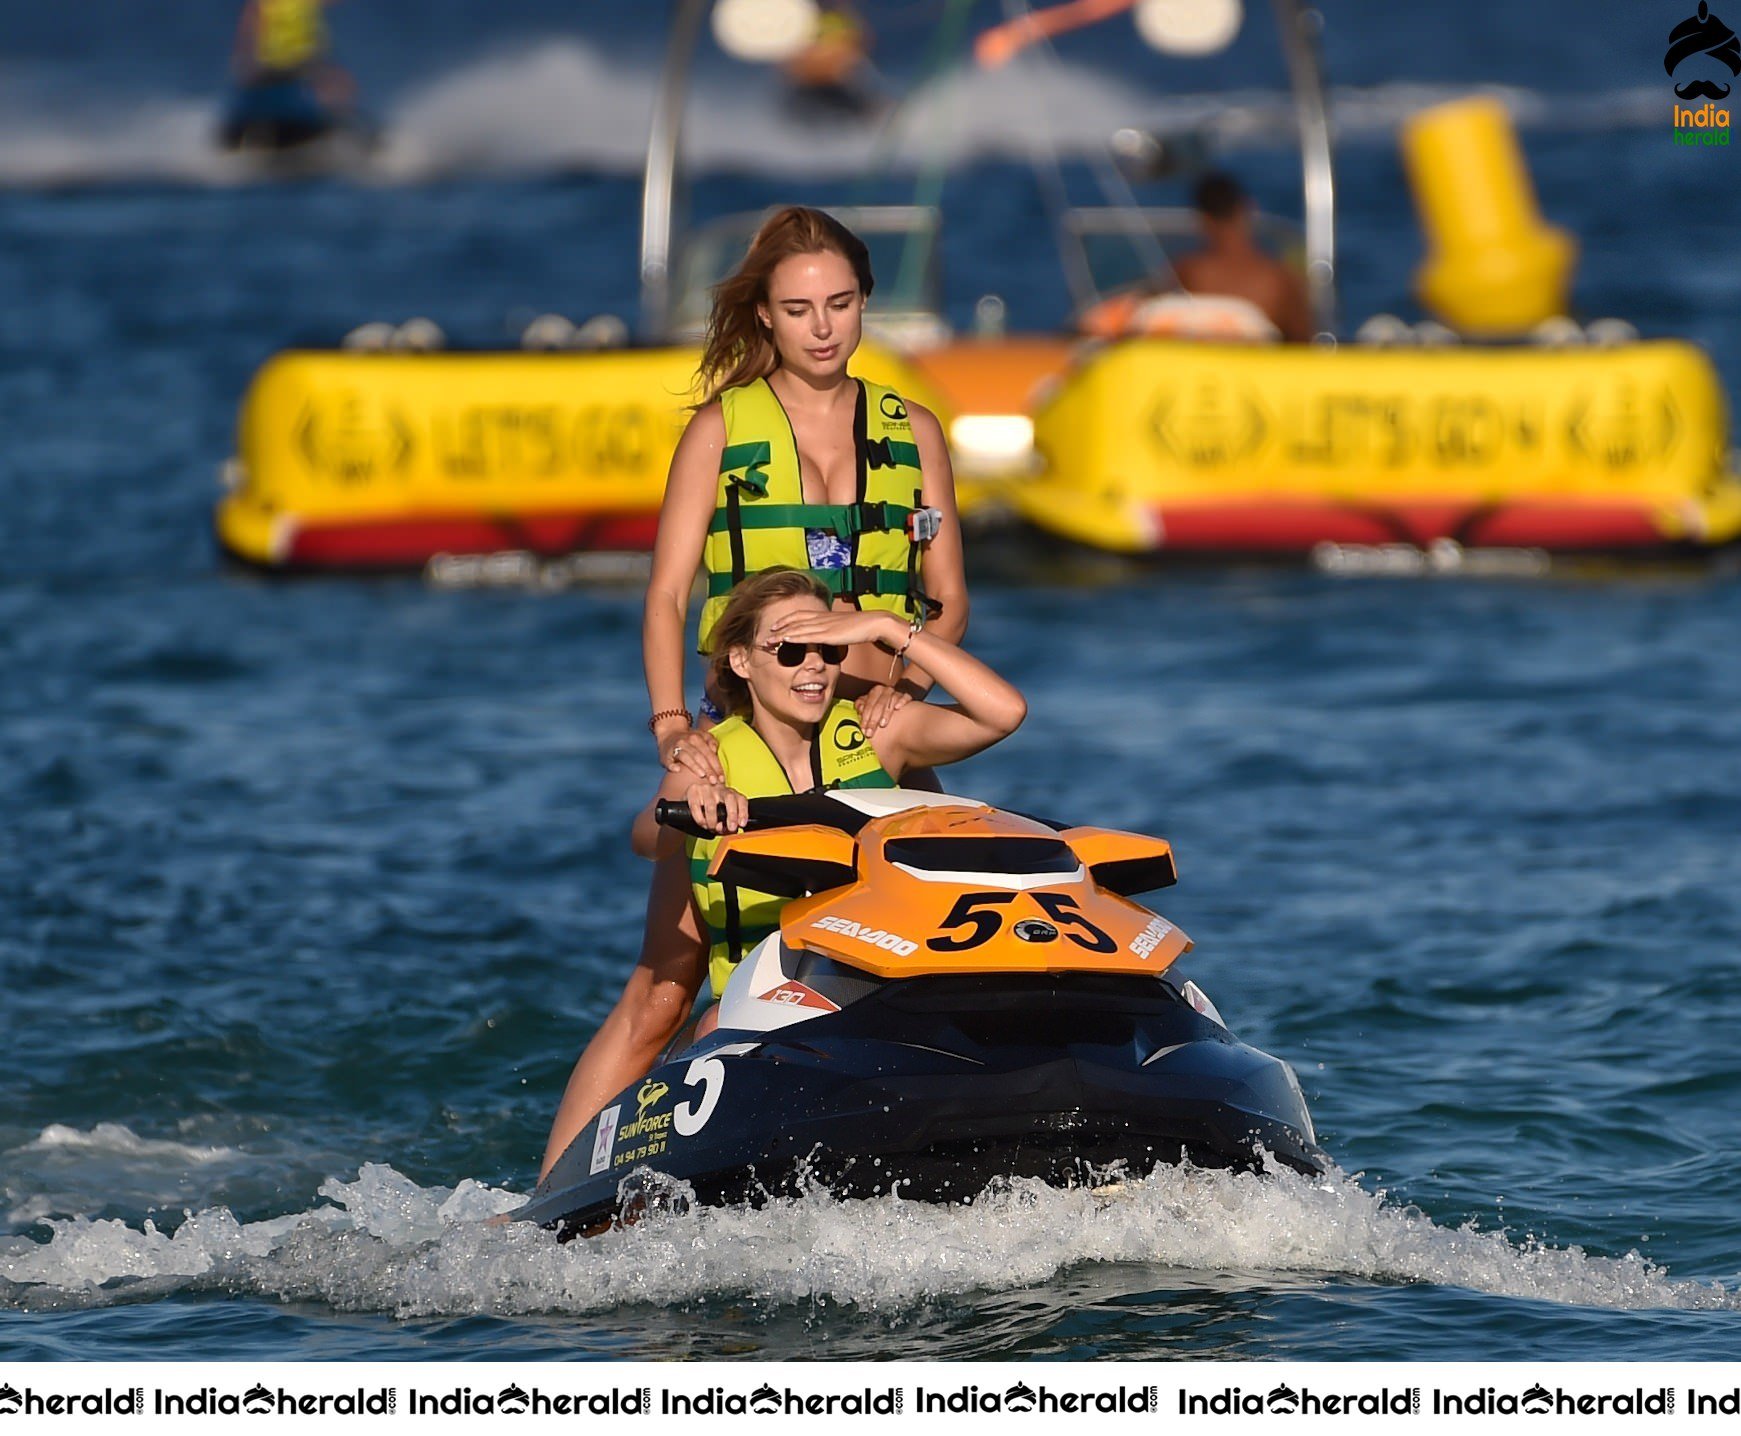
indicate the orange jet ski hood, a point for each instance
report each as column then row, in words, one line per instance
column 906, row 884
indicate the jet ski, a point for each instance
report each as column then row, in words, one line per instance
column 955, row 994
column 281, row 120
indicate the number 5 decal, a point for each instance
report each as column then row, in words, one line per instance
column 1061, row 908
column 970, row 910
column 711, row 1072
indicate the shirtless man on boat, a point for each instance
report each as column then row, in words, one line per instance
column 1228, row 289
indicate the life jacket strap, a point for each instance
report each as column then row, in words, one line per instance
column 891, row 453
column 842, row 520
column 747, row 463
column 857, row 581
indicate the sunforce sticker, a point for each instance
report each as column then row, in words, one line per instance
column 650, row 1133
column 873, row 936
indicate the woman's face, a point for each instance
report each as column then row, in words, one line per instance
column 815, row 311
column 800, row 694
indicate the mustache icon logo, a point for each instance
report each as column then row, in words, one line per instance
column 1703, row 34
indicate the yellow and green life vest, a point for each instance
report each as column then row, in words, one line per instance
column 289, row 34
column 841, row 756
column 760, row 516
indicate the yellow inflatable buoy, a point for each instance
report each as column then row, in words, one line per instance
column 1494, row 267
column 384, row 459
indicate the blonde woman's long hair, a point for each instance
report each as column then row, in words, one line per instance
column 738, row 623
column 738, row 348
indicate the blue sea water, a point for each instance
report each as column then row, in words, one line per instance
column 310, row 892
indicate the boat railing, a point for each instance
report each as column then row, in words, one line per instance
column 1107, row 248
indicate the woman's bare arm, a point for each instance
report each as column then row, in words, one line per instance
column 647, row 839
column 945, row 570
column 943, row 575
column 987, row 707
column 683, row 520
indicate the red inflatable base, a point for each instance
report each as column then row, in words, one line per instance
column 412, row 542
column 1298, row 528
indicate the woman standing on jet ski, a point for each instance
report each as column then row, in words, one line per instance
column 790, row 461
column 778, row 649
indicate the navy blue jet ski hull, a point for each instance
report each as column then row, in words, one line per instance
column 933, row 1087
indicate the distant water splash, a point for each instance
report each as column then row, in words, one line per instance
column 61, row 141
column 113, row 1137
column 65, row 1171
column 385, row 1244
column 566, row 105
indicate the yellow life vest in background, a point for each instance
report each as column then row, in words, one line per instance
column 289, row 34
column 760, row 516
column 841, row 756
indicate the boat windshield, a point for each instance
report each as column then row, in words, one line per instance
column 1106, row 249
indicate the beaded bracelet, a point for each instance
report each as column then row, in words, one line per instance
column 683, row 713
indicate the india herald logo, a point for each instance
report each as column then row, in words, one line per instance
column 1703, row 34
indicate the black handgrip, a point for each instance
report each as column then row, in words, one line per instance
column 778, row 812
column 674, row 813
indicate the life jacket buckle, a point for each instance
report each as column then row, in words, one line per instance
column 923, row 525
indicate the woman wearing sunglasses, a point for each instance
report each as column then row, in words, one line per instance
column 777, row 652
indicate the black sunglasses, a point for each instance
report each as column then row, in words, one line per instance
column 790, row 655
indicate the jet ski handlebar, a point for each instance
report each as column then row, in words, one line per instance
column 784, row 811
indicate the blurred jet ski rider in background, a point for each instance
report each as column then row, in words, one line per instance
column 832, row 77
column 290, row 89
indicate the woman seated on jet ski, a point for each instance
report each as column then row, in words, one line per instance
column 776, row 657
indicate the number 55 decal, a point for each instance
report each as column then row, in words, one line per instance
column 978, row 913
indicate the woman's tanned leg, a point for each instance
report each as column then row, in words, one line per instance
column 655, row 1003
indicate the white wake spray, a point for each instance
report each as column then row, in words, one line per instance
column 565, row 104
column 383, row 1243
